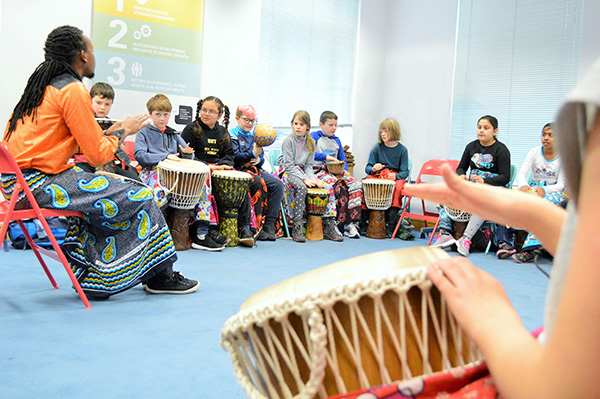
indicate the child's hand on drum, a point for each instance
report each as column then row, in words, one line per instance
column 187, row 149
column 378, row 166
column 476, row 298
column 173, row 157
column 476, row 178
column 391, row 175
column 220, row 167
column 540, row 192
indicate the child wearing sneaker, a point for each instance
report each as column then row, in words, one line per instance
column 266, row 190
column 485, row 160
column 348, row 192
column 211, row 144
column 388, row 160
column 547, row 181
column 298, row 157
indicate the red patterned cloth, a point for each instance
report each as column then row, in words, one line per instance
column 471, row 382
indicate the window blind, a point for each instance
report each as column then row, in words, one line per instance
column 306, row 58
column 515, row 60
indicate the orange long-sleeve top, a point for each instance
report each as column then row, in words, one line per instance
column 64, row 121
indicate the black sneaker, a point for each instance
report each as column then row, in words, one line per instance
column 262, row 236
column 362, row 228
column 524, row 257
column 208, row 244
column 270, row 231
column 505, row 251
column 218, row 238
column 175, row 284
column 330, row 231
column 246, row 238
column 297, row 233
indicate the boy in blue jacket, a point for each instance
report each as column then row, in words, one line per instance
column 348, row 193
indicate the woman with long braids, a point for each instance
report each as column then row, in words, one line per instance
column 212, row 144
column 122, row 238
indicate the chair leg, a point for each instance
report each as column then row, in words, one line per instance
column 437, row 222
column 285, row 223
column 400, row 219
column 36, row 251
column 65, row 263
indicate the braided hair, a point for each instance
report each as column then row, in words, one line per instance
column 61, row 47
column 222, row 109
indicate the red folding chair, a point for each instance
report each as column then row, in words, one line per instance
column 429, row 168
column 8, row 213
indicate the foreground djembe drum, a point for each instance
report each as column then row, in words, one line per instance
column 355, row 324
column 378, row 198
column 336, row 168
column 316, row 204
column 229, row 187
column 184, row 180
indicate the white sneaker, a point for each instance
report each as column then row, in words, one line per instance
column 351, row 231
column 443, row 240
column 463, row 245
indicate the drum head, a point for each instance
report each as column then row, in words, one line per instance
column 231, row 174
column 382, row 182
column 359, row 268
column 183, row 165
column 317, row 191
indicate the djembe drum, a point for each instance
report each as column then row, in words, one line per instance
column 355, row 324
column 184, row 180
column 459, row 219
column 378, row 198
column 229, row 187
column 316, row 204
column 336, row 168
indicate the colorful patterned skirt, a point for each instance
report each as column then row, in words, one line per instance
column 121, row 239
column 348, row 196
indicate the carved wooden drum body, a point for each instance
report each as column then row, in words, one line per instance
column 355, row 324
column 378, row 198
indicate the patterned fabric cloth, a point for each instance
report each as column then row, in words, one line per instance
column 348, row 196
column 290, row 195
column 471, row 382
column 122, row 237
column 204, row 210
column 557, row 198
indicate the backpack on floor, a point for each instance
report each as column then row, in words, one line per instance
column 58, row 226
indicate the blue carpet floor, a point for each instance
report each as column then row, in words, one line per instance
column 137, row 345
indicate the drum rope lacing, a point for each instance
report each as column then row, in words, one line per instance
column 260, row 354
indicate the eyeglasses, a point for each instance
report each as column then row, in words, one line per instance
column 247, row 120
column 209, row 111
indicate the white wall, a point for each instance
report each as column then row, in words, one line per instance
column 23, row 30
column 590, row 36
column 415, row 78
